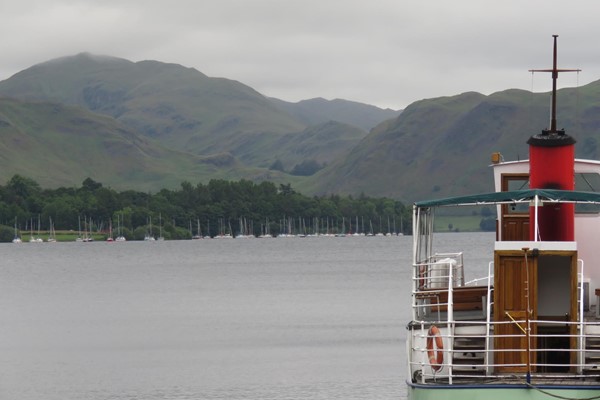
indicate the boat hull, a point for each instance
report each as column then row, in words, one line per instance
column 501, row 392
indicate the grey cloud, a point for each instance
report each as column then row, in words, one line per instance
column 384, row 52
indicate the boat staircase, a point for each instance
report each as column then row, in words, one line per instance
column 468, row 355
column 592, row 350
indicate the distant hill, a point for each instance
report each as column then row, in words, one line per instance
column 441, row 147
column 60, row 145
column 179, row 107
column 317, row 111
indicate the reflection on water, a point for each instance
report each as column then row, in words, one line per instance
column 208, row 319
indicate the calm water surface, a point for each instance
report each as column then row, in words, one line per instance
column 312, row 318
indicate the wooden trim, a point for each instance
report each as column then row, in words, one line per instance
column 465, row 298
column 504, row 178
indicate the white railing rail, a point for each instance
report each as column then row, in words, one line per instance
column 488, row 304
column 449, row 371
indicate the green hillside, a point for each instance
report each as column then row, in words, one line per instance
column 148, row 125
column 323, row 143
column 441, row 147
column 186, row 111
column 180, row 107
column 62, row 145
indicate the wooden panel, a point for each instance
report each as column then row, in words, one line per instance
column 510, row 300
column 465, row 298
column 515, row 228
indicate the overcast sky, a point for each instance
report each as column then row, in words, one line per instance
column 388, row 53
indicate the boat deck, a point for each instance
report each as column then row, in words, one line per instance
column 545, row 380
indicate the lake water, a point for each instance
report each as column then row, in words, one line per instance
column 310, row 318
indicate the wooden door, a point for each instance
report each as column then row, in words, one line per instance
column 511, row 286
column 514, row 217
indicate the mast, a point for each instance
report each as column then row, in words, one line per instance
column 554, row 72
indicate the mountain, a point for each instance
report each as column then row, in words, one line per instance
column 59, row 145
column 317, row 111
column 179, row 107
column 202, row 127
column 441, row 147
column 148, row 125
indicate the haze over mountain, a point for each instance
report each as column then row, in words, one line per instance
column 317, row 111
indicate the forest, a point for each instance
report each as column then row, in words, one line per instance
column 219, row 207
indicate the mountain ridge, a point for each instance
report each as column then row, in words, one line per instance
column 181, row 109
column 441, row 147
column 214, row 127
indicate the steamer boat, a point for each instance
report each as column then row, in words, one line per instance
column 526, row 329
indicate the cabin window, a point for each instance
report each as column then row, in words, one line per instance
column 587, row 182
column 511, row 183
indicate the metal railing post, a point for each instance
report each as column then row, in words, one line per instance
column 581, row 360
column 487, row 319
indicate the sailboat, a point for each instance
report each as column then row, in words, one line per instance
column 79, row 238
column 401, row 233
column 244, row 232
column 110, row 237
column 525, row 329
column 16, row 238
column 266, row 231
column 160, row 236
column 222, row 234
column 51, row 233
column 149, row 236
column 198, row 235
column 87, row 230
column 207, row 236
column 120, row 237
column 32, row 238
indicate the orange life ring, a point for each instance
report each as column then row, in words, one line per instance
column 435, row 354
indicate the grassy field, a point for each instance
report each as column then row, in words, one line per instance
column 457, row 223
column 61, row 236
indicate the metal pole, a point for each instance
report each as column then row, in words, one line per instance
column 528, row 328
column 554, row 78
column 536, row 226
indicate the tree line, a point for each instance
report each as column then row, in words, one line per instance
column 218, row 207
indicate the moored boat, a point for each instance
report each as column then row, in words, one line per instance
column 16, row 238
column 527, row 328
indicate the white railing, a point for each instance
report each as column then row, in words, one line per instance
column 450, row 371
column 440, row 298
